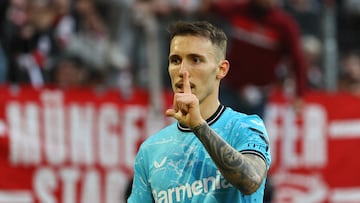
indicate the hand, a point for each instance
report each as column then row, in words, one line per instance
column 186, row 108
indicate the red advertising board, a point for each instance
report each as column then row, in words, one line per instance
column 78, row 146
column 315, row 151
column 73, row 146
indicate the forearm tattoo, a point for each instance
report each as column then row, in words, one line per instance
column 244, row 171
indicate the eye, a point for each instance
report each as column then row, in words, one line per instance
column 174, row 60
column 196, row 59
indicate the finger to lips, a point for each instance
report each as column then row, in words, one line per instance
column 187, row 90
column 186, row 85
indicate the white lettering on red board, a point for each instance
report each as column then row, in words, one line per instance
column 47, row 181
column 77, row 144
column 79, row 134
column 311, row 136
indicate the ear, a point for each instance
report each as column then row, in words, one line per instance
column 223, row 69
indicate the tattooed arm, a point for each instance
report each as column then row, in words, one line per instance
column 245, row 171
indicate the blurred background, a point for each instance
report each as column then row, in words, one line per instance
column 122, row 46
column 121, row 43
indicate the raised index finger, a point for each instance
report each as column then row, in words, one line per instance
column 187, row 86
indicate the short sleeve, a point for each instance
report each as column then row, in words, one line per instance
column 253, row 138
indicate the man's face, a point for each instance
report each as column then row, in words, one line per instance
column 197, row 56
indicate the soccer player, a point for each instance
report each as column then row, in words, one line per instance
column 212, row 153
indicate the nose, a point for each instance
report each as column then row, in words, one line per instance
column 183, row 68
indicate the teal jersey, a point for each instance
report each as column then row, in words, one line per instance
column 173, row 166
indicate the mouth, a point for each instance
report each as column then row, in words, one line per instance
column 180, row 87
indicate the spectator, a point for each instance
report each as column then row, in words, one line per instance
column 65, row 22
column 12, row 23
column 312, row 47
column 92, row 42
column 263, row 39
column 348, row 29
column 3, row 65
column 30, row 45
column 3, row 57
column 349, row 80
column 307, row 14
column 69, row 72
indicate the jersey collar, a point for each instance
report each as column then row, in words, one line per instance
column 209, row 121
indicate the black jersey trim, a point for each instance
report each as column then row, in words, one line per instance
column 209, row 121
column 255, row 153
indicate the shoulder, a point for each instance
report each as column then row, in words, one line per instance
column 240, row 121
column 239, row 116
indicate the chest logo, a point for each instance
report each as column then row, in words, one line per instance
column 158, row 165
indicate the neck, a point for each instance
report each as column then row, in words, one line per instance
column 208, row 108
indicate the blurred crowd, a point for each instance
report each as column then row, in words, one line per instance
column 124, row 44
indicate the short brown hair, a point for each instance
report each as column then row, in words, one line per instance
column 200, row 28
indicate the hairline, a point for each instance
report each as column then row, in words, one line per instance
column 203, row 29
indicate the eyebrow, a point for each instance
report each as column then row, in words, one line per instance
column 192, row 55
column 174, row 56
column 196, row 55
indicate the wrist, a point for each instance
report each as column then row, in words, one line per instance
column 198, row 127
